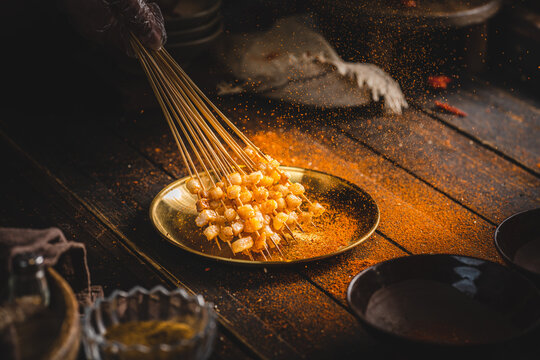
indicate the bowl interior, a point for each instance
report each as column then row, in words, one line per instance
column 445, row 300
column 518, row 240
column 185, row 51
column 191, row 14
column 195, row 33
column 155, row 316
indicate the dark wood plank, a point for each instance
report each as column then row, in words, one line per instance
column 35, row 200
column 513, row 101
column 31, row 199
column 117, row 184
column 96, row 188
column 370, row 170
column 470, row 174
column 88, row 170
column 153, row 140
column 495, row 118
column 413, row 214
column 334, row 275
column 418, row 216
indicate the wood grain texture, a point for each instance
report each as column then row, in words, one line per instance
column 36, row 200
column 416, row 216
column 439, row 187
column 472, row 175
column 156, row 145
column 117, row 185
column 495, row 118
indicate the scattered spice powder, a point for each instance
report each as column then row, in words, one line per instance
column 335, row 274
column 272, row 55
column 416, row 216
column 336, row 228
column 419, row 218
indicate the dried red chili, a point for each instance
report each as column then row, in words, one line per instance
column 449, row 108
column 439, row 81
column 408, row 3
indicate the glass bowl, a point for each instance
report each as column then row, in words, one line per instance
column 141, row 306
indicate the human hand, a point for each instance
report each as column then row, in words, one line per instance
column 109, row 22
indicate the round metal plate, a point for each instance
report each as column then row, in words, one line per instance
column 173, row 214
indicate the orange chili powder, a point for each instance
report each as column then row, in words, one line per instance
column 335, row 229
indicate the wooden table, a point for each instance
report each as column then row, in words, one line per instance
column 442, row 183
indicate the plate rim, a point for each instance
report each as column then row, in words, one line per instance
column 366, row 236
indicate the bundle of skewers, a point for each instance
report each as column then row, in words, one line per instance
column 244, row 198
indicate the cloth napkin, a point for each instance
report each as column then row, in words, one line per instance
column 293, row 62
column 69, row 256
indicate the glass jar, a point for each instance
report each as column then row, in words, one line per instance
column 27, row 281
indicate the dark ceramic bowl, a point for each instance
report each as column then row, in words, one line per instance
column 445, row 301
column 201, row 13
column 195, row 33
column 430, row 14
column 186, row 51
column 518, row 241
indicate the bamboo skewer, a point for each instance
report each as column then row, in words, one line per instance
column 199, row 130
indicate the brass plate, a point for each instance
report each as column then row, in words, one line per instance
column 173, row 214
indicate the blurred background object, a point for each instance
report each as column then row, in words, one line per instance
column 410, row 39
column 515, row 42
column 192, row 26
column 292, row 62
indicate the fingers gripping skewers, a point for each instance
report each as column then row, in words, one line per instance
column 243, row 196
